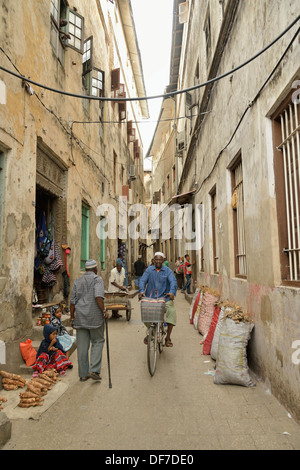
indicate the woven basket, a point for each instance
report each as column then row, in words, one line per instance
column 152, row 309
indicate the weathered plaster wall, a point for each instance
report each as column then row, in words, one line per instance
column 274, row 308
column 44, row 119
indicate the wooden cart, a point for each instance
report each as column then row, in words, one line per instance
column 118, row 301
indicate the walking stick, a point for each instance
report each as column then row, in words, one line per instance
column 107, row 350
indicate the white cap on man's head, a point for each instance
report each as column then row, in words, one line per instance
column 90, row 264
column 159, row 253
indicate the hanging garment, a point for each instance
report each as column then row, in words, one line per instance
column 41, row 231
column 49, row 278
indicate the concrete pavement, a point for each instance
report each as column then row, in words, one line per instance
column 180, row 408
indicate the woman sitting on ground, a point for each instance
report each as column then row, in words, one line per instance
column 51, row 354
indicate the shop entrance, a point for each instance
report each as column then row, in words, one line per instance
column 44, row 220
column 50, row 218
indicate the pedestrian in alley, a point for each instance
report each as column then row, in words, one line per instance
column 87, row 314
column 162, row 278
column 117, row 283
column 188, row 274
column 179, row 272
column 65, row 339
column 139, row 268
column 51, row 354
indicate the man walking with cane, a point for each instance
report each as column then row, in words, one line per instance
column 88, row 314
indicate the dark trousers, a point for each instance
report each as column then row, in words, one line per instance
column 180, row 280
column 187, row 283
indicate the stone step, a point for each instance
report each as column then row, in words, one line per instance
column 37, row 336
column 25, row 370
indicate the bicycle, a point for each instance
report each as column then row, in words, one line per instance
column 155, row 335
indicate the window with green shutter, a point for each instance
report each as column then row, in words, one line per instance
column 85, row 235
column 102, row 243
column 1, row 200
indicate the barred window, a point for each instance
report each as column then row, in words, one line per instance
column 2, row 161
column 287, row 179
column 213, row 195
column 238, row 217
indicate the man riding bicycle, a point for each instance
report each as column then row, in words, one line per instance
column 161, row 278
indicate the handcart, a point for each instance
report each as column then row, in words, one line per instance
column 118, row 301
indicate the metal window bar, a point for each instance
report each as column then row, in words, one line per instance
column 290, row 147
column 241, row 254
column 215, row 234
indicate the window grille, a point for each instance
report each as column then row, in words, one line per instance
column 85, row 234
column 213, row 195
column 103, row 243
column 290, row 148
column 1, row 202
column 239, row 222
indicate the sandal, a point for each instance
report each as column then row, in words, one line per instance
column 35, row 374
column 62, row 373
column 94, row 375
column 116, row 315
column 168, row 343
column 83, row 379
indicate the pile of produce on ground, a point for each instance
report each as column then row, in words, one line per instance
column 2, row 400
column 12, row 381
column 226, row 329
column 36, row 389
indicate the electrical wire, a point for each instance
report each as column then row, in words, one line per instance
column 165, row 95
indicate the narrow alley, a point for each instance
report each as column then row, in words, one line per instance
column 179, row 408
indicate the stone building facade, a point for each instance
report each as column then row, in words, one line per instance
column 238, row 157
column 63, row 156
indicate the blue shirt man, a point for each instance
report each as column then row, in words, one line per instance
column 162, row 279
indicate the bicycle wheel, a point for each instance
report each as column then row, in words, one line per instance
column 152, row 349
column 161, row 335
column 128, row 311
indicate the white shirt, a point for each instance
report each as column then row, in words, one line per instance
column 118, row 277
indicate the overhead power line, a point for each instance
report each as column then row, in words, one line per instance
column 165, row 95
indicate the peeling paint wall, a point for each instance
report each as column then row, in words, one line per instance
column 40, row 148
column 275, row 308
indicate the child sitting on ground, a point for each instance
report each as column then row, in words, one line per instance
column 51, row 354
column 65, row 339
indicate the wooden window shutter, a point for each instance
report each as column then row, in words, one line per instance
column 129, row 129
column 130, row 132
column 115, row 79
column 136, row 149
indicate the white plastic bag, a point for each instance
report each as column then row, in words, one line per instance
column 231, row 365
column 215, row 341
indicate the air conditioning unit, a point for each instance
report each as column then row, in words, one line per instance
column 132, row 172
column 181, row 141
